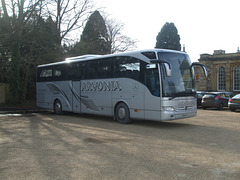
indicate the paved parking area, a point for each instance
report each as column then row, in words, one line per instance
column 73, row 146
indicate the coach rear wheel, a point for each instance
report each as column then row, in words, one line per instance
column 58, row 107
column 122, row 114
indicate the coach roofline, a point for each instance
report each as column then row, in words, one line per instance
column 94, row 57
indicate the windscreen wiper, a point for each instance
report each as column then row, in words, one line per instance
column 181, row 94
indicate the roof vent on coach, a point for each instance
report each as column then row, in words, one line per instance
column 149, row 54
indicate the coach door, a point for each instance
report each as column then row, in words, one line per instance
column 76, row 96
column 152, row 95
column 76, row 73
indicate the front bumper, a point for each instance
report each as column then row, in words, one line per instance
column 166, row 115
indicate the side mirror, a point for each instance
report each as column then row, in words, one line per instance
column 168, row 69
column 203, row 67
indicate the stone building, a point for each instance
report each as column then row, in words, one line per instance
column 223, row 72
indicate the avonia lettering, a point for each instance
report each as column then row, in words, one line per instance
column 100, row 86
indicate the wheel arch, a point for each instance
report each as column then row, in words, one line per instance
column 117, row 103
column 54, row 101
column 122, row 112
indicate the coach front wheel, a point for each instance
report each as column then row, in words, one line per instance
column 122, row 114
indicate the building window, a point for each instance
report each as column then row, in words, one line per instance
column 221, row 79
column 236, row 78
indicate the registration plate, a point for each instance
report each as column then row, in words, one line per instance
column 237, row 101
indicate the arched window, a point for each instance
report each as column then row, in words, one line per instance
column 221, row 79
column 236, row 78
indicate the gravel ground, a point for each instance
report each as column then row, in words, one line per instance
column 72, row 146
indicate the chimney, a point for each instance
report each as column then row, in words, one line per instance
column 218, row 52
column 184, row 48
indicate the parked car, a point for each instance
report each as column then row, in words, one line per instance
column 216, row 99
column 200, row 94
column 234, row 103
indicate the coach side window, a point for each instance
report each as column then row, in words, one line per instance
column 76, row 71
column 44, row 74
column 104, row 68
column 91, row 70
column 127, row 67
column 59, row 73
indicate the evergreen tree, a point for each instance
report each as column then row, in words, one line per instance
column 5, row 49
column 40, row 46
column 168, row 38
column 19, row 57
column 29, row 38
column 45, row 41
column 95, row 38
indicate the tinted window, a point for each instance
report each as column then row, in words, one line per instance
column 210, row 96
column 199, row 95
column 44, row 74
column 59, row 73
column 127, row 67
column 104, row 68
column 229, row 95
column 52, row 73
column 150, row 54
column 76, row 71
column 92, row 70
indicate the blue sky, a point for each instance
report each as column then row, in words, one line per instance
column 203, row 26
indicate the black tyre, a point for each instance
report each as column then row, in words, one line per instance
column 220, row 107
column 122, row 114
column 58, row 107
column 232, row 109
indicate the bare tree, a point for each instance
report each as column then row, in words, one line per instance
column 118, row 41
column 18, row 16
column 22, row 10
column 69, row 14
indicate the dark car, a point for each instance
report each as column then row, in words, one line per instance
column 216, row 99
column 234, row 103
column 200, row 94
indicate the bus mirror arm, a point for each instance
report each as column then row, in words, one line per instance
column 166, row 64
column 156, row 61
column 203, row 67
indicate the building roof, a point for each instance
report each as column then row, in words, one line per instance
column 220, row 55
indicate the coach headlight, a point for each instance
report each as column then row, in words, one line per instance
column 168, row 108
